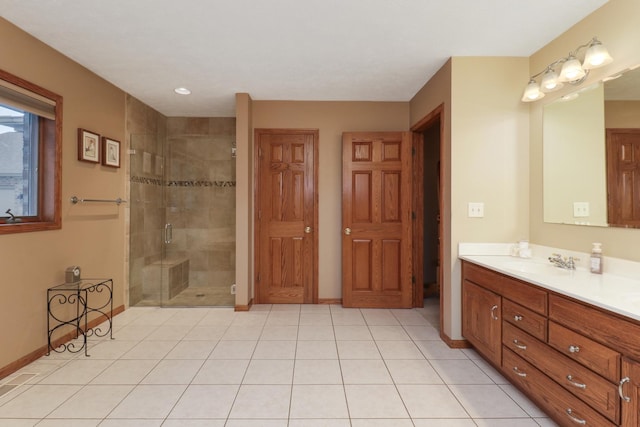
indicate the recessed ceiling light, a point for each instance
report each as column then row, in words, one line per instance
column 182, row 91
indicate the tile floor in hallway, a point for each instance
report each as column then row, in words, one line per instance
column 274, row 366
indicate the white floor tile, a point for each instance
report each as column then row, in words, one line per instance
column 412, row 372
column 399, row 350
column 388, row 333
column 348, row 318
column 193, row 423
column 446, row 422
column 358, row 350
column 422, row 333
column 206, row 333
column 256, row 423
column 131, row 423
column 365, row 372
column 487, row 401
column 93, row 401
column 242, row 333
column 374, row 401
column 325, row 371
column 381, row 423
column 523, row 401
column 460, row 372
column 38, row 401
column 173, row 371
column 379, row 317
column 316, row 333
column 149, row 401
column 233, row 350
column 269, row 372
column 320, row 423
column 318, row 401
column 352, row 333
column 112, row 349
column 315, row 319
column 262, row 402
column 431, row 401
column 275, row 350
column 78, row 371
column 125, row 372
column 25, row 422
column 439, row 350
column 150, row 350
column 205, row 401
column 64, row 423
column 221, row 371
column 316, row 350
column 276, row 333
column 170, row 333
column 191, row 350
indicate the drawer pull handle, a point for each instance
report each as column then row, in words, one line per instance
column 493, row 309
column 520, row 346
column 517, row 318
column 621, row 392
column 519, row 372
column 574, row 349
column 575, row 384
column 574, row 419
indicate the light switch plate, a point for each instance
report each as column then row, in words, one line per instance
column 476, row 210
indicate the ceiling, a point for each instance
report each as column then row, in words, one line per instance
column 365, row 50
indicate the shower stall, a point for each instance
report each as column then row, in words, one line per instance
column 182, row 213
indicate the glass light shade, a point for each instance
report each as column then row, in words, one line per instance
column 532, row 92
column 550, row 82
column 571, row 70
column 596, row 56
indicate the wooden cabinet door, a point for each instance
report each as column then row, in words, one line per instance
column 286, row 247
column 376, row 220
column 481, row 320
column 630, row 393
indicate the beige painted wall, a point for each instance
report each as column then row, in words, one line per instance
column 617, row 25
column 485, row 160
column 331, row 118
column 92, row 235
column 622, row 114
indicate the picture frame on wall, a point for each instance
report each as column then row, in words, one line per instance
column 88, row 146
column 110, row 152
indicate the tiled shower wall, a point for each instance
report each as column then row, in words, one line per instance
column 200, row 179
column 199, row 199
column 146, row 134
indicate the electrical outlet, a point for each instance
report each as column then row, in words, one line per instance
column 476, row 210
column 580, row 209
column 233, row 289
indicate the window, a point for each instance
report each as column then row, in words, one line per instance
column 30, row 156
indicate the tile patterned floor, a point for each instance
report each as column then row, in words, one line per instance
column 274, row 366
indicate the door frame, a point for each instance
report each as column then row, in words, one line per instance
column 435, row 116
column 256, row 206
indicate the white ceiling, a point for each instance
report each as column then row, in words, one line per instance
column 367, row 50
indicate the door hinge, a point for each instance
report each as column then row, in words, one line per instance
column 413, row 151
column 413, row 280
column 258, row 278
column 413, row 215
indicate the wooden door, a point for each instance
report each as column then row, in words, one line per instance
column 623, row 177
column 286, row 216
column 630, row 393
column 376, row 220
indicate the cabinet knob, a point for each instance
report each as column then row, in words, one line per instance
column 520, row 346
column 576, row 384
column 574, row 349
column 517, row 318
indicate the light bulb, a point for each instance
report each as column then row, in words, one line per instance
column 596, row 56
column 532, row 92
column 550, row 81
column 571, row 70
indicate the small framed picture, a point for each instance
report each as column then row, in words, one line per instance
column 110, row 152
column 88, row 146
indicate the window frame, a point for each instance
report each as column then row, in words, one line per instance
column 50, row 166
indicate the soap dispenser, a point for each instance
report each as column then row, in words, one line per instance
column 596, row 258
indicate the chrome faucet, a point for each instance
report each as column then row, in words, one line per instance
column 568, row 263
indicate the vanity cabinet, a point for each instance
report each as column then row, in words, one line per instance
column 576, row 361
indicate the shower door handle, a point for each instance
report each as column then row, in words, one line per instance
column 168, row 233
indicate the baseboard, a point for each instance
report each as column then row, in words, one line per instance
column 244, row 307
column 330, row 301
column 37, row 354
column 454, row 343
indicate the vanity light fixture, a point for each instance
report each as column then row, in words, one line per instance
column 571, row 71
column 182, row 91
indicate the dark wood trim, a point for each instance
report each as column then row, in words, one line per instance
column 426, row 121
column 38, row 353
column 244, row 307
column 417, row 192
column 330, row 301
column 454, row 343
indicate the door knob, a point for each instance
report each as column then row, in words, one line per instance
column 347, row 231
column 307, row 230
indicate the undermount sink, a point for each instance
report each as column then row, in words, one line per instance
column 535, row 268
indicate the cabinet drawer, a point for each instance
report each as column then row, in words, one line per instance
column 565, row 408
column 525, row 319
column 595, row 356
column 529, row 296
column 574, row 377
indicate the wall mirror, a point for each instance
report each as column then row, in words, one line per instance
column 576, row 176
